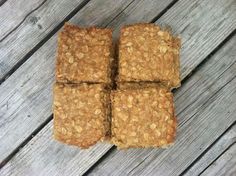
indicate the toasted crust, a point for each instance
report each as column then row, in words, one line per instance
column 143, row 117
column 80, row 113
column 147, row 53
column 84, row 55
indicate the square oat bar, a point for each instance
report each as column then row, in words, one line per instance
column 80, row 113
column 142, row 117
column 147, row 53
column 84, row 55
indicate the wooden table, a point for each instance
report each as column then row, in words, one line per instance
column 205, row 104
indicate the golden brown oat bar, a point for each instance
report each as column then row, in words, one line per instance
column 80, row 113
column 84, row 55
column 147, row 53
column 143, row 117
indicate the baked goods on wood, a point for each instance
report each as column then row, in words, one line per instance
column 84, row 55
column 147, row 53
column 80, row 113
column 143, row 117
column 139, row 111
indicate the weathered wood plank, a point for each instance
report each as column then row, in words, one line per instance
column 27, row 98
column 43, row 144
column 26, row 102
column 13, row 12
column 35, row 152
column 205, row 109
column 217, row 149
column 33, row 28
column 225, row 165
column 196, row 19
column 200, row 24
column 43, row 91
column 149, row 10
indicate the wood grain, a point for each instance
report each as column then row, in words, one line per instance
column 225, row 165
column 27, row 99
column 71, row 164
column 150, row 9
column 29, row 28
column 13, row 12
column 219, row 148
column 190, row 19
column 45, row 76
column 200, row 24
column 200, row 105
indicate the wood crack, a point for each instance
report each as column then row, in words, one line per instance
column 231, row 145
column 202, row 107
column 15, row 28
column 41, row 43
column 195, row 69
column 210, row 85
column 119, row 14
column 208, row 148
column 164, row 11
column 139, row 164
column 210, row 98
column 208, row 57
column 89, row 170
column 34, row 133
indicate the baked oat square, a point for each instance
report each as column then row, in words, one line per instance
column 84, row 55
column 80, row 113
column 143, row 117
column 147, row 53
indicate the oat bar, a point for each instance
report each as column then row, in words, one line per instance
column 143, row 117
column 147, row 53
column 84, row 55
column 80, row 113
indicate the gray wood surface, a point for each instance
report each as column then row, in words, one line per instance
column 68, row 160
column 27, row 103
column 225, row 165
column 200, row 24
column 227, row 140
column 27, row 99
column 205, row 108
column 13, row 12
column 138, row 12
column 29, row 28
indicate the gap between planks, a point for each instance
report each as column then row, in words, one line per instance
column 212, row 66
column 90, row 170
column 208, row 149
column 30, row 53
column 37, row 130
column 22, row 21
column 216, row 150
column 48, row 119
column 231, row 35
column 224, row 165
column 31, row 136
column 44, row 40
